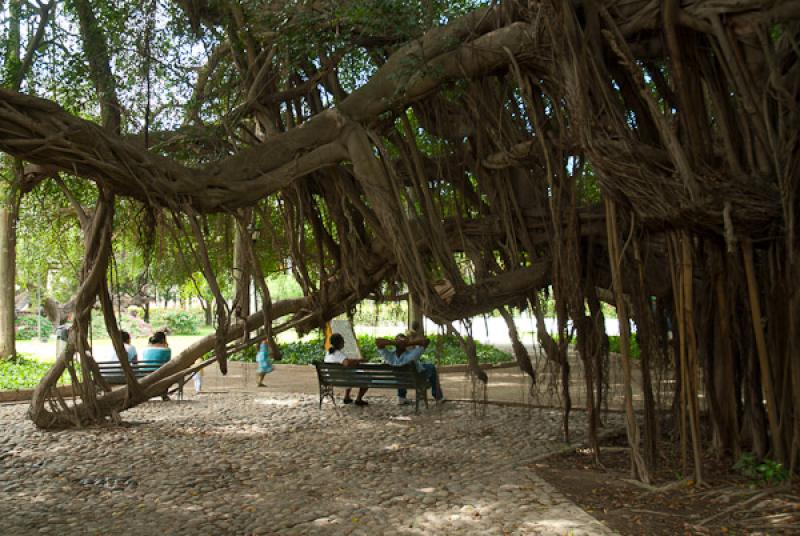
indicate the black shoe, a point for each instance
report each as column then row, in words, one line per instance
column 362, row 403
column 348, row 401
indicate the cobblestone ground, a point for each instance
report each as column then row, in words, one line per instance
column 275, row 464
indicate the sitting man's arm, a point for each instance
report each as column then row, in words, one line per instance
column 419, row 341
column 386, row 355
column 351, row 362
column 410, row 355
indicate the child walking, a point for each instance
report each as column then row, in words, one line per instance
column 264, row 363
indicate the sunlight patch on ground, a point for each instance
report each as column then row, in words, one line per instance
column 287, row 402
column 558, row 526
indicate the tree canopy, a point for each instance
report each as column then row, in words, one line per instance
column 482, row 155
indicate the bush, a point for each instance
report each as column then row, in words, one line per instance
column 442, row 350
column 27, row 327
column 133, row 325
column 614, row 346
column 302, row 352
column 24, row 373
column 445, row 350
column 248, row 355
column 766, row 471
column 182, row 322
column 368, row 349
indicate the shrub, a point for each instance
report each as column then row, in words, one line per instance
column 133, row 325
column 368, row 349
column 614, row 346
column 302, row 352
column 445, row 350
column 24, row 373
column 442, row 350
column 248, row 355
column 27, row 327
column 182, row 322
column 767, row 471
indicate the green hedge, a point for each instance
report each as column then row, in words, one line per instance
column 614, row 346
column 24, row 373
column 179, row 322
column 446, row 352
column 133, row 325
column 183, row 322
column 442, row 350
column 27, row 327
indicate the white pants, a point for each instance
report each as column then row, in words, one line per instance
column 198, row 382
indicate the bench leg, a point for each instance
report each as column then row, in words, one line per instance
column 326, row 391
column 422, row 394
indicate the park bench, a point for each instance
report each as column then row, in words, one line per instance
column 112, row 372
column 373, row 376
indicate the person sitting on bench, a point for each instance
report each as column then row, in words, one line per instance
column 129, row 348
column 335, row 355
column 157, row 352
column 405, row 351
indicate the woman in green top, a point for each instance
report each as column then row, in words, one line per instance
column 157, row 352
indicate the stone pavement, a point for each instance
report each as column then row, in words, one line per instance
column 269, row 462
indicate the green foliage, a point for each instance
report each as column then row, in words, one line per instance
column 588, row 188
column 302, row 352
column 248, row 355
column 132, row 324
column 27, row 327
column 443, row 350
column 183, row 322
column 178, row 322
column 49, row 245
column 369, row 313
column 24, row 373
column 283, row 287
column 293, row 353
column 614, row 345
column 765, row 472
column 368, row 349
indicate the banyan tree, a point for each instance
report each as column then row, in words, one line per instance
column 640, row 153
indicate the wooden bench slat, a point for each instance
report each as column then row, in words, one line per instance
column 115, row 375
column 401, row 377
